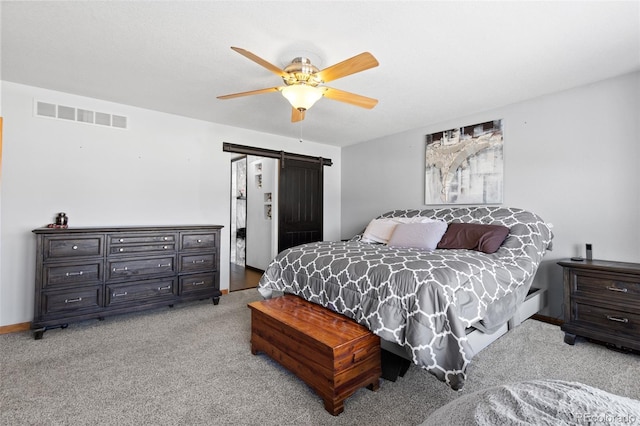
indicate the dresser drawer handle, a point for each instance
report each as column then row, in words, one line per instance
column 77, row 299
column 121, row 240
column 71, row 274
column 197, row 283
column 75, row 247
column 165, row 247
column 199, row 241
column 119, row 294
column 121, row 269
column 121, row 250
column 164, row 288
column 624, row 320
column 166, row 238
column 198, row 261
column 163, row 265
column 622, row 290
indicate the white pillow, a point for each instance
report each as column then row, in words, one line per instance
column 420, row 235
column 415, row 219
column 379, row 230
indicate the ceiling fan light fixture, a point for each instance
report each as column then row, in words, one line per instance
column 302, row 96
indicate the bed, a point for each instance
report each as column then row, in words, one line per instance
column 423, row 301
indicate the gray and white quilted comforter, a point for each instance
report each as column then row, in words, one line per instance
column 422, row 300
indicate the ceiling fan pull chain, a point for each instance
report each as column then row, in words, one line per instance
column 301, row 130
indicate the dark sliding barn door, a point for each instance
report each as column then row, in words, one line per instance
column 300, row 203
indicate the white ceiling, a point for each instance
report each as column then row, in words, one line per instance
column 438, row 60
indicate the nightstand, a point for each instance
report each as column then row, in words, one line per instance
column 602, row 302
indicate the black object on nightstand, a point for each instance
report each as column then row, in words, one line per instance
column 602, row 302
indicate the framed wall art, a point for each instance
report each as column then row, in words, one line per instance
column 465, row 165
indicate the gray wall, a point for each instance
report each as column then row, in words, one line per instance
column 163, row 170
column 572, row 157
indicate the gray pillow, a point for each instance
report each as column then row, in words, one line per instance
column 424, row 236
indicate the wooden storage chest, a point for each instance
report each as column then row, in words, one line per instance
column 332, row 354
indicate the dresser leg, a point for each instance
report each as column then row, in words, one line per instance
column 37, row 334
column 216, row 300
column 569, row 338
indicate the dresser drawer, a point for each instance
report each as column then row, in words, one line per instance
column 621, row 288
column 57, row 248
column 141, row 243
column 70, row 301
column 126, row 239
column 72, row 273
column 206, row 241
column 140, row 267
column 147, row 248
column 197, row 283
column 119, row 294
column 624, row 323
column 197, row 262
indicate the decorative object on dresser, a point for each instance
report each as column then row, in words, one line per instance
column 602, row 302
column 85, row 273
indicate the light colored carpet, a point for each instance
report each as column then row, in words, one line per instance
column 192, row 365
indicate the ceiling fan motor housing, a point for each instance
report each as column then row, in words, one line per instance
column 301, row 71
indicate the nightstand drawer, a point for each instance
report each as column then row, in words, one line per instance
column 624, row 323
column 619, row 287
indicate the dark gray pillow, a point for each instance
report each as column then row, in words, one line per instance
column 474, row 236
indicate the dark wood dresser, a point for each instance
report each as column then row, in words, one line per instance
column 602, row 302
column 84, row 273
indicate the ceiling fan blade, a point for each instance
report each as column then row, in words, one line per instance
column 358, row 63
column 260, row 61
column 296, row 115
column 350, row 98
column 251, row 92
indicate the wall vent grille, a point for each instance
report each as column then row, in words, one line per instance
column 64, row 112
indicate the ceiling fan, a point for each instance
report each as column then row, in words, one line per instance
column 304, row 82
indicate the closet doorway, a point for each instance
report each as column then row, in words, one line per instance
column 253, row 219
column 276, row 203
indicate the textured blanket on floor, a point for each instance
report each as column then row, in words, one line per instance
column 421, row 300
column 538, row 402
